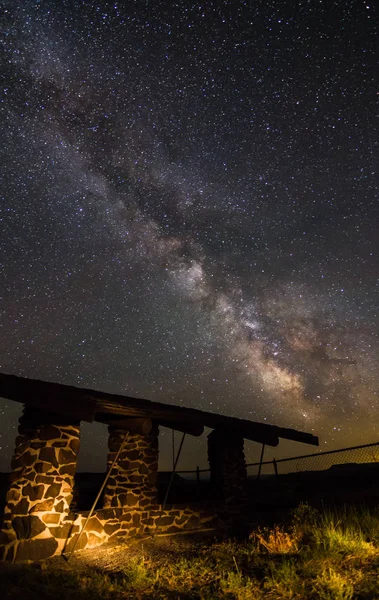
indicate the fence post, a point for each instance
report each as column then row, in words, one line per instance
column 275, row 468
column 198, row 481
column 260, row 462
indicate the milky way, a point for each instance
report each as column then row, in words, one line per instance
column 189, row 207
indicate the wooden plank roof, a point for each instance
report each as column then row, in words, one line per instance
column 91, row 405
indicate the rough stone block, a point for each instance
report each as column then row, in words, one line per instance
column 71, row 431
column 34, row 550
column 144, row 502
column 46, row 505
column 50, row 432
column 193, row 522
column 111, row 482
column 126, row 517
column 110, row 528
column 51, row 518
column 66, row 456
column 60, row 507
column 28, row 527
column 30, row 474
column 37, row 445
column 20, row 441
column 42, row 467
column 43, row 479
column 53, row 490
column 117, row 535
column 21, row 508
column 34, row 492
column 24, row 460
column 62, row 532
column 68, row 470
column 95, row 525
column 68, row 498
column 105, row 514
column 79, row 545
column 13, row 495
column 49, row 455
column 166, row 520
column 94, row 540
column 129, row 499
column 75, row 445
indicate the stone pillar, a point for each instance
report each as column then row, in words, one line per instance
column 41, row 484
column 228, row 468
column 132, row 482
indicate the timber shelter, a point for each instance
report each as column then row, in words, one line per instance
column 37, row 522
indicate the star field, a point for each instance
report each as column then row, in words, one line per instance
column 189, row 207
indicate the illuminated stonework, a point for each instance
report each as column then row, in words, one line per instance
column 41, row 484
column 133, row 479
column 116, row 524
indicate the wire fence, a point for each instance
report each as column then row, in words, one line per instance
column 195, row 483
column 320, row 461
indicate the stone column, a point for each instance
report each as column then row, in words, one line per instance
column 41, row 485
column 228, row 468
column 132, row 482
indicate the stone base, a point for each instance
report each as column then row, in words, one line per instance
column 105, row 525
column 40, row 490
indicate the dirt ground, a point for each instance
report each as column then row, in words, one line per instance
column 156, row 550
column 113, row 558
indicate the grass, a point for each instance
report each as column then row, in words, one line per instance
column 326, row 556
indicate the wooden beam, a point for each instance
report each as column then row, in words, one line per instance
column 195, row 429
column 84, row 404
column 49, row 397
column 134, row 425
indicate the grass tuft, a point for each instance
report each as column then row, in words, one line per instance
column 332, row 585
column 283, row 580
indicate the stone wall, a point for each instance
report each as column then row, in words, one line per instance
column 108, row 525
column 133, row 479
column 41, row 483
column 116, row 524
column 228, row 468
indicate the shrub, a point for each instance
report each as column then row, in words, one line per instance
column 276, row 540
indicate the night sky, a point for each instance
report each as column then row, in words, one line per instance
column 189, row 209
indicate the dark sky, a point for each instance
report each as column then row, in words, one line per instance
column 189, row 208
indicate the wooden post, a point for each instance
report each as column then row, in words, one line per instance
column 173, row 448
column 275, row 467
column 260, row 462
column 198, row 481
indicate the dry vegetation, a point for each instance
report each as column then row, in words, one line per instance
column 327, row 556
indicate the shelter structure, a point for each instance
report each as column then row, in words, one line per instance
column 37, row 521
